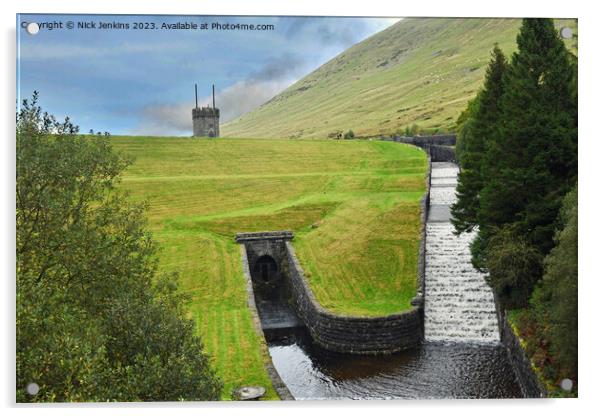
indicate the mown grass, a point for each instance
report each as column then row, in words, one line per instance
column 353, row 205
column 419, row 71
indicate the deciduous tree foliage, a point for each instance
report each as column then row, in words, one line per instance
column 554, row 302
column 95, row 322
column 514, row 266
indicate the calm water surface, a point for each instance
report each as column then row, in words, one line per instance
column 432, row 371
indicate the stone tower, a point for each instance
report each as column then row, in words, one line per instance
column 205, row 120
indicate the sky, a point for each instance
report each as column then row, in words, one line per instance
column 140, row 80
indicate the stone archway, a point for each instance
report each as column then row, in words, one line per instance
column 265, row 269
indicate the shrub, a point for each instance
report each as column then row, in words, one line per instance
column 554, row 302
column 411, row 131
column 337, row 134
column 514, row 267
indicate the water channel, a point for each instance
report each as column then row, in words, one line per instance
column 435, row 370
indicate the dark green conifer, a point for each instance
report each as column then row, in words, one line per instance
column 532, row 163
column 479, row 129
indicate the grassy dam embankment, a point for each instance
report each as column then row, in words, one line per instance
column 353, row 206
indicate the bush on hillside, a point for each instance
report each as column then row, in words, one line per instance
column 411, row 131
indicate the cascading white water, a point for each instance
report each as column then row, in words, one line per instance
column 459, row 304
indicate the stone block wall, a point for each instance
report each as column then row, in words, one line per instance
column 205, row 122
column 349, row 334
column 442, row 153
column 281, row 389
column 526, row 377
column 346, row 334
column 421, row 141
column 425, row 204
column 269, row 243
column 521, row 364
column 439, row 147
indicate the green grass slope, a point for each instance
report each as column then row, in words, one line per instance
column 353, row 205
column 420, row 70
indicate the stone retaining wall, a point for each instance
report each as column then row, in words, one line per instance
column 439, row 147
column 281, row 389
column 422, row 141
column 349, row 334
column 269, row 243
column 521, row 364
column 425, row 204
column 441, row 153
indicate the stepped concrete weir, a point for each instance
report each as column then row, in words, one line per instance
column 459, row 305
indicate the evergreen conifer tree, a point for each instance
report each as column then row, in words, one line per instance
column 532, row 163
column 477, row 131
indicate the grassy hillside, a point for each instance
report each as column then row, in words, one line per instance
column 353, row 206
column 420, row 70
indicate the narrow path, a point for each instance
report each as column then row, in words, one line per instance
column 459, row 305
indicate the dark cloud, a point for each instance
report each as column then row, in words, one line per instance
column 345, row 32
column 340, row 35
column 278, row 68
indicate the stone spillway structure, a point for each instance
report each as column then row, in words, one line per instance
column 283, row 298
column 459, row 305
